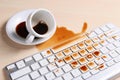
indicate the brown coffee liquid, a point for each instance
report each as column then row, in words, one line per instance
column 41, row 28
column 21, row 30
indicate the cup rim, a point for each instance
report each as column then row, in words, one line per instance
column 29, row 23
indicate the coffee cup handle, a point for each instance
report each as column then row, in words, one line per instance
column 29, row 38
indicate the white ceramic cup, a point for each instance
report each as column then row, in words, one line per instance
column 43, row 16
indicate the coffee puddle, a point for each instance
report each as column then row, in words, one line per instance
column 61, row 37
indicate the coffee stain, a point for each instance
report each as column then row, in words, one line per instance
column 62, row 37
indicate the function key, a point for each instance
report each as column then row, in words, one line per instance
column 104, row 28
column 67, row 51
column 37, row 57
column 46, row 53
column 74, row 48
column 20, row 64
column 81, row 45
column 29, row 61
column 60, row 55
column 11, row 68
column 88, row 42
column 98, row 31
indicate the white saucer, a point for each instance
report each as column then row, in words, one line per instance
column 11, row 27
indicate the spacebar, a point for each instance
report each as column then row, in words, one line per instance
column 20, row 72
column 108, row 73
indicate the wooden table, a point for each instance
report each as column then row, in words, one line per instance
column 71, row 14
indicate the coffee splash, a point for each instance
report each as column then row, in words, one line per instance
column 61, row 34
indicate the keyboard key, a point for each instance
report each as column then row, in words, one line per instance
column 92, row 34
column 43, row 70
column 86, row 75
column 52, row 58
column 60, row 55
column 59, row 78
column 113, row 54
column 110, row 63
column 74, row 48
column 12, row 68
column 97, row 45
column 83, row 52
column 67, row 68
column 46, row 53
column 68, row 59
column 60, row 62
column 104, row 50
column 78, row 78
column 75, row 55
column 88, row 42
column 35, row 66
column 98, row 31
column 67, row 51
column 104, row 28
column 106, row 57
column 67, row 76
column 84, row 68
column 50, row 76
column 52, row 66
column 41, row 78
column 34, row 75
column 29, row 61
column 43, row 62
column 117, row 59
column 110, row 26
column 91, row 64
column 90, row 57
column 110, row 46
column 97, row 53
column 20, row 64
column 99, row 60
column 58, row 72
column 74, row 64
column 90, row 48
column 102, row 36
column 116, row 43
column 82, row 60
column 20, row 72
column 103, row 42
column 37, row 57
column 95, row 39
column 26, row 77
column 94, row 71
column 81, row 45
column 75, row 72
column 117, row 50
column 102, row 66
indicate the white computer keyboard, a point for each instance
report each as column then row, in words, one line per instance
column 95, row 58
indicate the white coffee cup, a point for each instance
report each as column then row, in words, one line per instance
column 41, row 16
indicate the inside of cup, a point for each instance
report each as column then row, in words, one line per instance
column 45, row 18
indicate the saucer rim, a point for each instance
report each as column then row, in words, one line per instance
column 13, row 37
